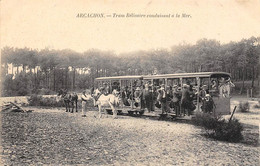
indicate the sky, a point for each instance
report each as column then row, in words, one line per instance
column 54, row 24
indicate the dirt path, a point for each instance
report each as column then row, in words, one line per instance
column 51, row 136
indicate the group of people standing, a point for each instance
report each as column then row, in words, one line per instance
column 176, row 98
column 169, row 99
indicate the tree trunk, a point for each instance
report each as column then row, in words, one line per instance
column 97, row 72
column 66, row 78
column 54, row 80
column 253, row 76
column 35, row 79
column 46, row 79
column 257, row 75
column 243, row 77
column 73, row 78
column 62, row 76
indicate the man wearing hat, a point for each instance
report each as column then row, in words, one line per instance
column 176, row 99
column 208, row 104
column 138, row 95
column 84, row 99
column 186, row 100
column 148, row 97
column 203, row 92
column 163, row 99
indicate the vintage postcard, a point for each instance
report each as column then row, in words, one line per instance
column 129, row 82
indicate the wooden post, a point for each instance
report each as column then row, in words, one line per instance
column 251, row 93
column 247, row 93
column 110, row 86
column 166, row 83
column 232, row 113
column 120, row 84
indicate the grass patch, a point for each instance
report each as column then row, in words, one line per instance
column 244, row 107
column 257, row 105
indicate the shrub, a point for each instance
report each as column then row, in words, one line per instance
column 229, row 131
column 257, row 105
column 38, row 100
column 205, row 120
column 244, row 106
column 34, row 100
column 218, row 128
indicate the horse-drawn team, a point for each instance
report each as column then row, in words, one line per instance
column 144, row 95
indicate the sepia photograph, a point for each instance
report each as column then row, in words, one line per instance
column 130, row 82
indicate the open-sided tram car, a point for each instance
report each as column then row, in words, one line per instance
column 222, row 102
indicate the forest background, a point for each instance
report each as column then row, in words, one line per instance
column 26, row 71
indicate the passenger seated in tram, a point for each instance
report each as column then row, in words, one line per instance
column 214, row 85
column 214, row 88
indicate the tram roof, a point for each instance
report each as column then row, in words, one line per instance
column 120, row 77
column 189, row 75
column 176, row 75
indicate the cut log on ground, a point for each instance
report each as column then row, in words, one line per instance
column 12, row 107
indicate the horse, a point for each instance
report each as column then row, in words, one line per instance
column 102, row 100
column 69, row 99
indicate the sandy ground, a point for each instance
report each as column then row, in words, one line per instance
column 54, row 137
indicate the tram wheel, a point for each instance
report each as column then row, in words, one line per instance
column 109, row 111
column 131, row 113
column 141, row 112
column 119, row 112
